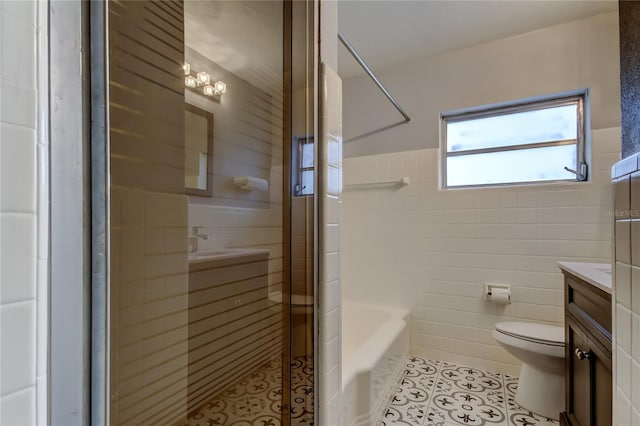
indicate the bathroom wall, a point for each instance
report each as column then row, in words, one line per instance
column 577, row 54
column 23, row 214
column 626, row 292
column 330, row 228
column 329, row 178
column 434, row 250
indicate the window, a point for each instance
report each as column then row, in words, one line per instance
column 304, row 167
column 521, row 142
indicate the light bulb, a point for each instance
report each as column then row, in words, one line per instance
column 190, row 81
column 187, row 68
column 208, row 90
column 220, row 87
column 203, row 78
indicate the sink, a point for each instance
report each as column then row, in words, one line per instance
column 224, row 253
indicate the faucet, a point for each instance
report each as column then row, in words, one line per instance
column 195, row 237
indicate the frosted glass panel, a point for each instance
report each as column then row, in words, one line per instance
column 542, row 125
column 525, row 165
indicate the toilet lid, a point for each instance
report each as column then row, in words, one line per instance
column 540, row 333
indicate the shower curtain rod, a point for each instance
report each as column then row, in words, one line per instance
column 370, row 73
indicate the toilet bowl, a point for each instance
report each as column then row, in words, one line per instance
column 301, row 322
column 540, row 348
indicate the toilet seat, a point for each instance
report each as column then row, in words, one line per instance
column 549, row 335
column 296, row 299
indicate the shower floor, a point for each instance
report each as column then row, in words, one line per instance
column 441, row 393
column 256, row 399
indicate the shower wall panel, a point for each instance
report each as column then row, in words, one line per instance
column 149, row 275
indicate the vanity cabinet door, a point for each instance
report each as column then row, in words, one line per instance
column 578, row 377
column 588, row 379
column 601, row 385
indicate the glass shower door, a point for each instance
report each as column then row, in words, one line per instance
column 200, row 226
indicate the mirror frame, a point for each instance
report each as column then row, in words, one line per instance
column 208, row 192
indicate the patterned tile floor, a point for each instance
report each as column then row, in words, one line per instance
column 440, row 393
column 256, row 399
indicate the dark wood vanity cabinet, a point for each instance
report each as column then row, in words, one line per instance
column 587, row 354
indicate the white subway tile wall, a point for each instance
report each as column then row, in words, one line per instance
column 433, row 250
column 626, row 292
column 330, row 165
column 23, row 218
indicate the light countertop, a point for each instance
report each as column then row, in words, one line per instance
column 596, row 274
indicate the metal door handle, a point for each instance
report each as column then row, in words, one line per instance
column 582, row 355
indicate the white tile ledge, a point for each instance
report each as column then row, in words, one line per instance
column 625, row 166
column 596, row 274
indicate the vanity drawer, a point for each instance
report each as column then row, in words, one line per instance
column 589, row 304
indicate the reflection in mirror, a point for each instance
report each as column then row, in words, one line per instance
column 238, row 331
column 198, row 160
column 204, row 326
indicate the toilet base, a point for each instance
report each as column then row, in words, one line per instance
column 541, row 392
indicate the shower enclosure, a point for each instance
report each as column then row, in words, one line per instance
column 203, row 239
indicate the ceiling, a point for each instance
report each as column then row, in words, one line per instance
column 244, row 37
column 388, row 32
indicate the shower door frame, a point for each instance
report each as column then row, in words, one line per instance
column 100, row 212
column 98, row 401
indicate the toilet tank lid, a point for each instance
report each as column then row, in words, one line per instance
column 533, row 331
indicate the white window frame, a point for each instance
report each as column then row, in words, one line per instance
column 578, row 97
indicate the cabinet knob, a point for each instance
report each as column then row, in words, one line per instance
column 581, row 355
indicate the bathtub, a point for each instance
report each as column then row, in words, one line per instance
column 375, row 344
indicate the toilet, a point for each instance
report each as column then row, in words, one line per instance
column 301, row 322
column 540, row 348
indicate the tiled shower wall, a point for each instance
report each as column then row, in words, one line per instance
column 23, row 216
column 329, row 304
column 433, row 250
column 626, row 182
column 148, row 289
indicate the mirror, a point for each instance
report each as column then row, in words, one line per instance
column 198, row 160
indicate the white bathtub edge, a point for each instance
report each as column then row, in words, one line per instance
column 364, row 380
column 365, row 358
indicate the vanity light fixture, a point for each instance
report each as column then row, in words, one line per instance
column 208, row 90
column 202, row 79
column 190, row 81
column 220, row 87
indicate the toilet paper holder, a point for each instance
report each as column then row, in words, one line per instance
column 496, row 293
